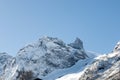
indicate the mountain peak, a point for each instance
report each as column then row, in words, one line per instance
column 77, row 44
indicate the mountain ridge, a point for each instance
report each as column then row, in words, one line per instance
column 51, row 59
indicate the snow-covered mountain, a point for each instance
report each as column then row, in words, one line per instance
column 45, row 56
column 52, row 59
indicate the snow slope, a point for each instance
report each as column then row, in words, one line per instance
column 103, row 67
column 79, row 66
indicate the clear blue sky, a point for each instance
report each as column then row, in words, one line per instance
column 95, row 22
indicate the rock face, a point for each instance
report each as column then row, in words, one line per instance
column 45, row 56
column 77, row 44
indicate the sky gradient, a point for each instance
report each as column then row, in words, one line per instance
column 95, row 22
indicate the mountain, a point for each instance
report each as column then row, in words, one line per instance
column 51, row 59
column 45, row 56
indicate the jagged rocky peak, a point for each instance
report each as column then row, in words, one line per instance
column 117, row 47
column 77, row 44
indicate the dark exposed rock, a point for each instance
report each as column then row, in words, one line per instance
column 77, row 44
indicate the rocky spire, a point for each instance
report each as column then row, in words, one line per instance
column 77, row 44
